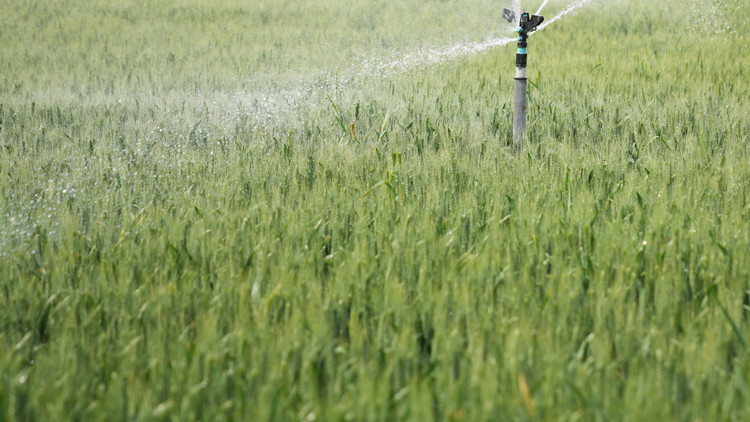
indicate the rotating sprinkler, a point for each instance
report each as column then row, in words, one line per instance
column 526, row 25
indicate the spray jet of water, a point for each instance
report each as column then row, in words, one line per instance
column 573, row 6
column 544, row 3
column 270, row 107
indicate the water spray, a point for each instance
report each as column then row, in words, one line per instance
column 271, row 107
column 526, row 25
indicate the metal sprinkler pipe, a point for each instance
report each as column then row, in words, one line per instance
column 527, row 25
column 519, row 92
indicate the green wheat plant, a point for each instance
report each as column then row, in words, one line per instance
column 299, row 210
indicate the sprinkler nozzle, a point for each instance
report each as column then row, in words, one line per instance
column 529, row 23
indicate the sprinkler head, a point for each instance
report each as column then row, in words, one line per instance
column 530, row 23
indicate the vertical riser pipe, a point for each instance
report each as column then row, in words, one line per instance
column 526, row 24
column 519, row 108
column 519, row 95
